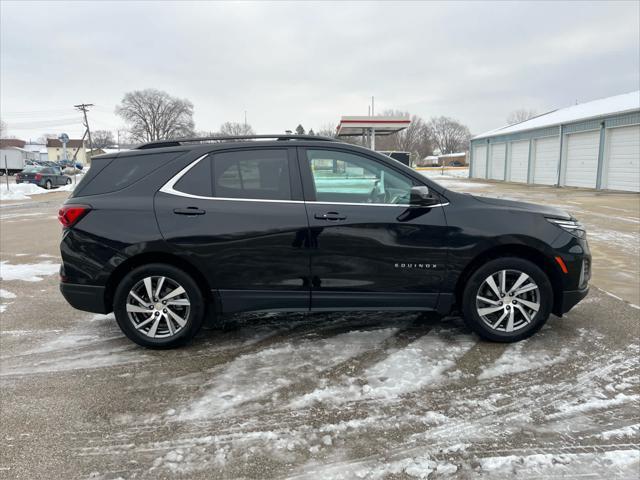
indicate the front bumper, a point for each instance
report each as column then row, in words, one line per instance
column 571, row 298
column 89, row 298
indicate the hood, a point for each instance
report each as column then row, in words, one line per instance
column 527, row 207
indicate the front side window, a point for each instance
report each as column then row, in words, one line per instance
column 348, row 178
column 252, row 174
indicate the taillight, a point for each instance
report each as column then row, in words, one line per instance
column 69, row 215
column 38, row 177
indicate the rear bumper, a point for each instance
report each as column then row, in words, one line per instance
column 571, row 298
column 89, row 298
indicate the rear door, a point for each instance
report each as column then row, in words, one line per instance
column 239, row 216
column 368, row 248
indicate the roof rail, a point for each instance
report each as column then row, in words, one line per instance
column 227, row 138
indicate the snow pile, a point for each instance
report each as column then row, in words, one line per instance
column 23, row 191
column 27, row 272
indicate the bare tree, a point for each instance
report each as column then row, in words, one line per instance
column 236, row 129
column 416, row 138
column 102, row 139
column 155, row 115
column 520, row 115
column 449, row 135
column 327, row 130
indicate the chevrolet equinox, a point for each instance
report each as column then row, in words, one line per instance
column 179, row 230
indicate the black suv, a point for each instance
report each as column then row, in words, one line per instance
column 174, row 231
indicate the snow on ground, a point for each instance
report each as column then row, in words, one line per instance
column 27, row 272
column 5, row 294
column 517, row 358
column 420, row 364
column 24, row 191
column 251, row 377
column 456, row 180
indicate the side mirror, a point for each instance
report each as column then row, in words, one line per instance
column 420, row 197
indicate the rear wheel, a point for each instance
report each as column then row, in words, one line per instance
column 507, row 299
column 48, row 185
column 159, row 306
column 68, row 181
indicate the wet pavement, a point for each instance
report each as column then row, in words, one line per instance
column 336, row 396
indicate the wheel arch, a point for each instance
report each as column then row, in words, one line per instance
column 155, row 257
column 545, row 262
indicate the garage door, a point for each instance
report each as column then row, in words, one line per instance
column 519, row 162
column 480, row 161
column 582, row 159
column 622, row 170
column 545, row 167
column 496, row 168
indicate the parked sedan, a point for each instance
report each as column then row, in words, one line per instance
column 45, row 177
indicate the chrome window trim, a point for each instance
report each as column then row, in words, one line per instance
column 405, row 205
column 169, row 189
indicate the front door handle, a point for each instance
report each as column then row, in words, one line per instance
column 329, row 216
column 189, row 211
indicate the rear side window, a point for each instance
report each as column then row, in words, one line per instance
column 197, row 181
column 253, row 174
column 123, row 171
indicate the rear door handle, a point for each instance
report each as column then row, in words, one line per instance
column 329, row 216
column 189, row 211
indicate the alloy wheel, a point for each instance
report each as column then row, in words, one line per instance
column 508, row 300
column 158, row 307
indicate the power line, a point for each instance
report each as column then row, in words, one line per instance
column 83, row 107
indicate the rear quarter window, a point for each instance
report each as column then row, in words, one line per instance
column 120, row 172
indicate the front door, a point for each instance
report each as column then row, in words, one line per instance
column 238, row 215
column 370, row 249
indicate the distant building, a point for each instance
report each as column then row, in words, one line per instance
column 12, row 142
column 55, row 150
column 39, row 148
column 590, row 145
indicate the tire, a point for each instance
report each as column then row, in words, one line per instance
column 68, row 182
column 48, row 185
column 168, row 333
column 500, row 315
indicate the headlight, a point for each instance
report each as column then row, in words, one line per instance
column 573, row 227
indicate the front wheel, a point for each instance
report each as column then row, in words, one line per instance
column 159, row 306
column 68, row 182
column 507, row 300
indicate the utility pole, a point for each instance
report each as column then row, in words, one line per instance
column 83, row 107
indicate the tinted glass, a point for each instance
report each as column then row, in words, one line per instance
column 121, row 172
column 344, row 177
column 47, row 171
column 32, row 169
column 197, row 181
column 257, row 174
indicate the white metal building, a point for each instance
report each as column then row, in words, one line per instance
column 591, row 145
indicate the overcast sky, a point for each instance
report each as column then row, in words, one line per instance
column 310, row 63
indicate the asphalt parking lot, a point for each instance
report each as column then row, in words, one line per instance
column 336, row 396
